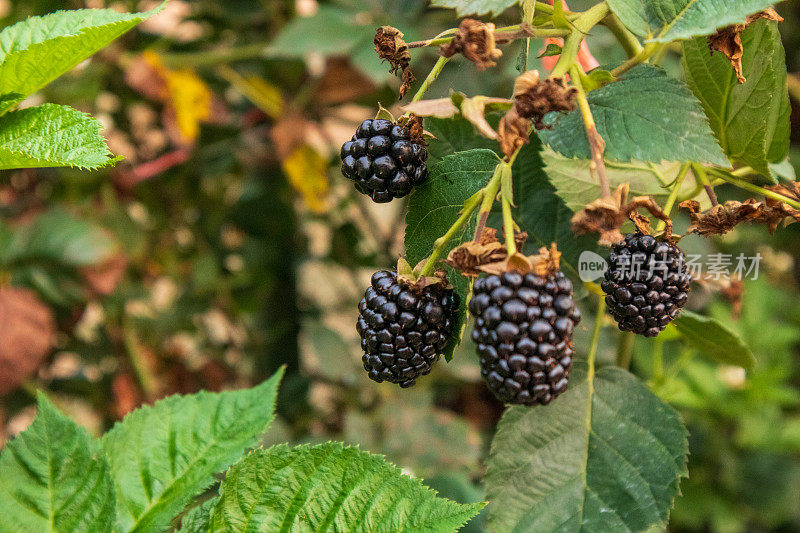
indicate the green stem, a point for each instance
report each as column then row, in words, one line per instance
column 673, row 195
column 757, row 189
column 598, row 325
column 585, row 22
column 512, row 32
column 432, row 75
column 438, row 246
column 658, row 361
column 700, row 173
column 630, row 43
column 506, row 198
column 625, row 349
column 596, row 143
column 489, row 194
column 645, row 54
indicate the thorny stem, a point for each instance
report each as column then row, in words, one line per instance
column 645, row 54
column 432, row 75
column 598, row 325
column 438, row 246
column 596, row 143
column 746, row 185
column 699, row 172
column 673, row 195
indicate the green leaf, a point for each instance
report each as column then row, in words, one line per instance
column 54, row 237
column 646, row 116
column 552, row 49
column 302, row 35
column 575, row 185
column 434, row 207
column 476, row 7
column 36, row 51
column 541, row 213
column 329, row 487
column 52, row 135
column 54, row 477
column 751, row 120
column 162, row 456
column 607, row 455
column 714, row 340
column 453, row 135
column 198, row 519
column 667, row 20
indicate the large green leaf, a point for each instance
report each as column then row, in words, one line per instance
column 162, row 456
column 646, row 116
column 541, row 213
column 198, row 519
column 751, row 120
column 476, row 7
column 54, row 477
column 575, row 185
column 667, row 20
column 36, row 51
column 435, row 206
column 453, row 135
column 54, row 237
column 714, row 340
column 52, row 135
column 607, row 455
column 329, row 487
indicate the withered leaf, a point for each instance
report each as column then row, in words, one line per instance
column 391, row 47
column 721, row 218
column 535, row 98
column 728, row 40
column 474, row 40
column 27, row 331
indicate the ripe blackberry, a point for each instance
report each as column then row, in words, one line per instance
column 523, row 330
column 403, row 328
column 383, row 160
column 646, row 283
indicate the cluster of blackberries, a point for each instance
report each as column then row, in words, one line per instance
column 383, row 161
column 646, row 283
column 403, row 329
column 523, row 331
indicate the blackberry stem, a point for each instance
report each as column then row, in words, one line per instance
column 581, row 26
column 438, row 246
column 432, row 75
column 673, row 195
column 746, row 185
column 596, row 142
column 506, row 199
column 489, row 194
column 645, row 54
column 598, row 325
column 625, row 349
column 630, row 43
column 700, row 173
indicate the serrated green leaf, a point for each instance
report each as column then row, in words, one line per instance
column 54, row 477
column 162, row 456
column 329, row 487
column 575, row 185
column 751, row 120
column 36, row 51
column 541, row 213
column 645, row 116
column 456, row 134
column 434, row 207
column 52, row 135
column 713, row 340
column 198, row 519
column 607, row 455
column 475, row 7
column 667, row 20
column 54, row 237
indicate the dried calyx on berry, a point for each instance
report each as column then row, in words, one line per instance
column 386, row 159
column 524, row 320
column 646, row 283
column 404, row 325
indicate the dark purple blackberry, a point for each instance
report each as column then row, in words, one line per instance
column 383, row 161
column 403, row 329
column 523, row 330
column 646, row 283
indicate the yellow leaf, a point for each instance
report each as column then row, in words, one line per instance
column 307, row 171
column 259, row 91
column 187, row 94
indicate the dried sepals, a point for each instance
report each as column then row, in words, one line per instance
column 470, row 257
column 728, row 40
column 475, row 41
column 391, row 47
column 607, row 214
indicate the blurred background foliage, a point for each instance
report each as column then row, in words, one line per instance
column 228, row 243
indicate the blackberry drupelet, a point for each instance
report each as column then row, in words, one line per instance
column 646, row 283
column 403, row 328
column 523, row 330
column 383, row 160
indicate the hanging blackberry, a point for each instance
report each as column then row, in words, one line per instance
column 404, row 327
column 523, row 331
column 646, row 283
column 384, row 159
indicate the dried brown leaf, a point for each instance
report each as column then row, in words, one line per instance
column 728, row 40
column 721, row 218
column 475, row 40
column 27, row 332
column 536, row 98
column 391, row 47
